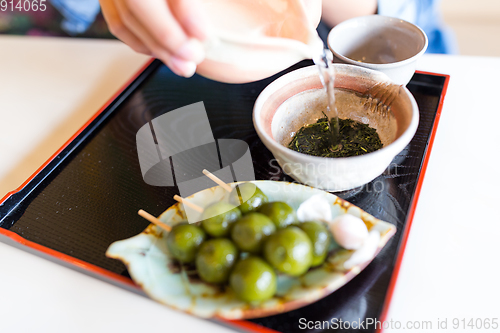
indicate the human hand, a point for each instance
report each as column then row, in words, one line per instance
column 171, row 30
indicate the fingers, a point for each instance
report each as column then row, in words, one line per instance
column 167, row 41
column 168, row 29
column 190, row 16
column 130, row 21
column 156, row 20
column 119, row 30
column 181, row 67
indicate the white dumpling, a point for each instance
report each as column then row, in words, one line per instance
column 366, row 252
column 349, row 231
column 315, row 208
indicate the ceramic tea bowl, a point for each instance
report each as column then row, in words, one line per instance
column 298, row 98
column 382, row 43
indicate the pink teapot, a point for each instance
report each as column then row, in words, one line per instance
column 254, row 39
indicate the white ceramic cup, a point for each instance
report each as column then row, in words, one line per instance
column 298, row 98
column 382, row 43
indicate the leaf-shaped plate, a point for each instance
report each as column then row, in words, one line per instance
column 151, row 267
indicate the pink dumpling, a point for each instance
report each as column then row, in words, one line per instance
column 349, row 231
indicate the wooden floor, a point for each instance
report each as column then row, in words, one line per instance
column 476, row 25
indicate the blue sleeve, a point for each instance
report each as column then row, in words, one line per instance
column 425, row 14
column 78, row 14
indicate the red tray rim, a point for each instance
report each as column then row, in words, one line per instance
column 413, row 206
column 242, row 324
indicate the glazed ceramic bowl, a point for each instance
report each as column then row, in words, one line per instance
column 386, row 44
column 298, row 98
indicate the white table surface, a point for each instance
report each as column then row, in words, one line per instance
column 49, row 87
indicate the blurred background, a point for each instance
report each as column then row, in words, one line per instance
column 475, row 23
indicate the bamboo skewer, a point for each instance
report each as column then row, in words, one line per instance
column 188, row 203
column 217, row 180
column 197, row 208
column 154, row 220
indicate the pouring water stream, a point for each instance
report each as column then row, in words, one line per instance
column 324, row 63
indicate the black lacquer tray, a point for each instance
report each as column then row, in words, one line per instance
column 88, row 194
